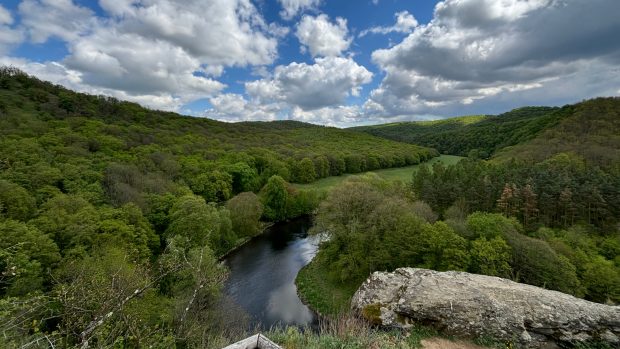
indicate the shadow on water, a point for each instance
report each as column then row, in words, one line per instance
column 262, row 275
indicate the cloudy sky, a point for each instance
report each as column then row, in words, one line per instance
column 334, row 62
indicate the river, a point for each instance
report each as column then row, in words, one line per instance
column 263, row 271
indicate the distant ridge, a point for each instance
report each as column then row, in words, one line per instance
column 590, row 129
column 482, row 134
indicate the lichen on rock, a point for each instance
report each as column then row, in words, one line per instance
column 473, row 305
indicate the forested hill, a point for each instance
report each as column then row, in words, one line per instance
column 480, row 135
column 591, row 130
column 52, row 129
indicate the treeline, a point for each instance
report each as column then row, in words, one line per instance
column 51, row 119
column 474, row 136
column 591, row 130
column 558, row 192
column 375, row 225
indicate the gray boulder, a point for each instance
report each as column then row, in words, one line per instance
column 473, row 305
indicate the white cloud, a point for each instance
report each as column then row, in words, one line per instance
column 478, row 53
column 8, row 36
column 338, row 116
column 138, row 65
column 74, row 80
column 290, row 8
column 405, row 23
column 299, row 91
column 152, row 51
column 54, row 18
column 327, row 82
column 322, row 37
column 5, row 16
column 219, row 32
column 234, row 107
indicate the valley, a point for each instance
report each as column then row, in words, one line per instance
column 113, row 217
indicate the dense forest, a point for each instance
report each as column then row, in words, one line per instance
column 591, row 130
column 480, row 136
column 553, row 225
column 113, row 216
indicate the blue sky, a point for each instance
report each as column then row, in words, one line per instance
column 332, row 62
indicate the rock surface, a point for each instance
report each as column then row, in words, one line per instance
column 476, row 305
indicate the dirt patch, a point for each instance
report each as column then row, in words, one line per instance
column 440, row 343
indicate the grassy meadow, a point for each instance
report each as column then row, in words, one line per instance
column 392, row 174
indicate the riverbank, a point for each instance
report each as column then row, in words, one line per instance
column 313, row 286
column 332, row 301
column 242, row 242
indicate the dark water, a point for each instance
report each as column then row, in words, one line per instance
column 262, row 275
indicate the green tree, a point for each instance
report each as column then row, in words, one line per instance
column 601, row 280
column 442, row 248
column 305, row 171
column 490, row 225
column 105, row 297
column 534, row 262
column 15, row 201
column 490, row 257
column 26, row 258
column 245, row 212
column 274, row 196
column 201, row 223
column 193, row 277
column 213, row 186
column 244, row 177
column 70, row 220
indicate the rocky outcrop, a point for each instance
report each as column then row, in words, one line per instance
column 476, row 305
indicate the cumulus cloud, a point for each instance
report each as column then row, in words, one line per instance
column 306, row 92
column 322, row 37
column 73, row 79
column 475, row 52
column 54, row 18
column 232, row 107
column 8, row 35
column 290, row 8
column 327, row 82
column 5, row 16
column 151, row 51
column 405, row 23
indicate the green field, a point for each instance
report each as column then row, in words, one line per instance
column 392, row 174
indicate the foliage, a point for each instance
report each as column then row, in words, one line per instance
column 476, row 136
column 201, row 223
column 26, row 258
column 591, row 130
column 274, row 196
column 558, row 192
column 15, row 201
column 373, row 225
column 245, row 213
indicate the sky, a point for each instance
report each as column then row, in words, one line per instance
column 332, row 62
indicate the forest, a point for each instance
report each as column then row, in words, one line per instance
column 113, row 217
column 553, row 225
column 588, row 129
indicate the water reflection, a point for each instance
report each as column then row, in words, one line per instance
column 262, row 275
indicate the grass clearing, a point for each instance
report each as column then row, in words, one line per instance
column 392, row 174
column 322, row 294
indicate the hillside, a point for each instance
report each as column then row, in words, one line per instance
column 76, row 137
column 482, row 134
column 591, row 130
